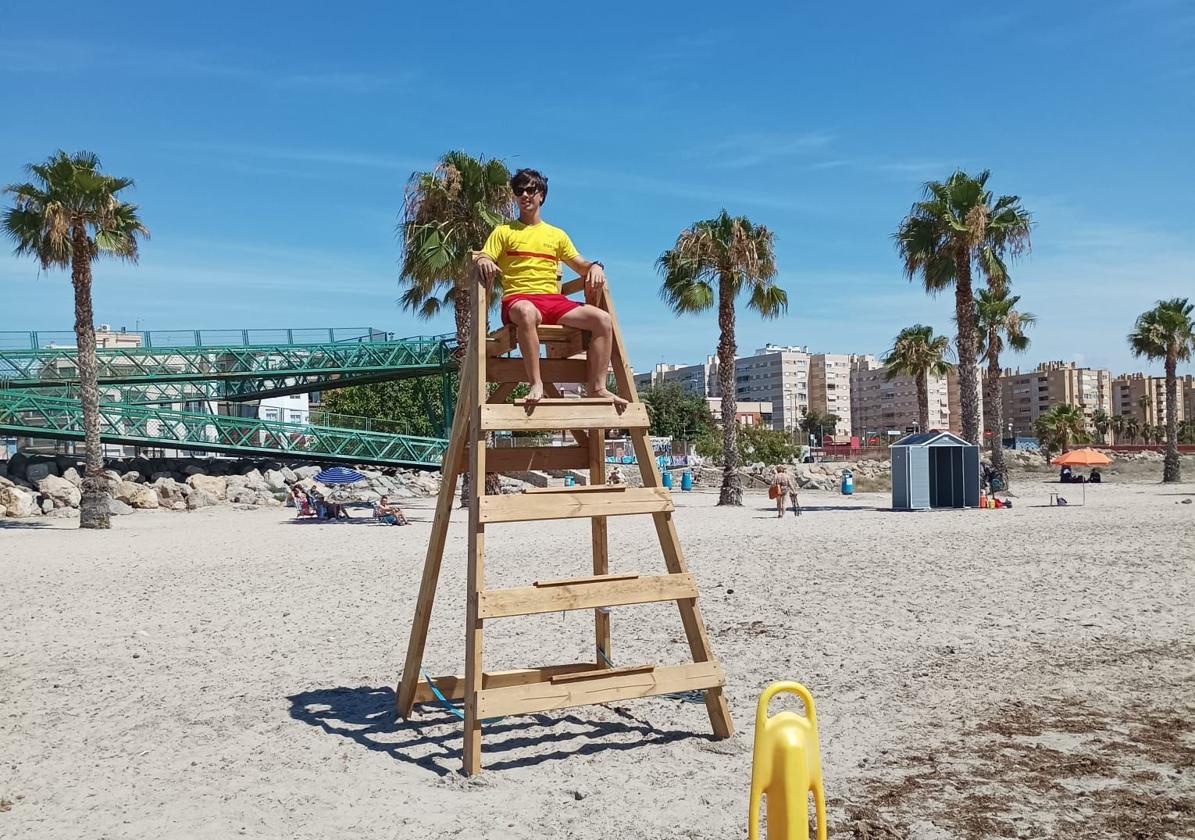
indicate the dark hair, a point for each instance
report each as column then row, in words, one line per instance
column 530, row 178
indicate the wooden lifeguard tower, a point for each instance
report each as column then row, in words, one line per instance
column 544, row 688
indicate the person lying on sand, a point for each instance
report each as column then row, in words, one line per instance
column 527, row 253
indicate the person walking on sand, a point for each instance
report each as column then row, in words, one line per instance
column 784, row 486
column 527, row 253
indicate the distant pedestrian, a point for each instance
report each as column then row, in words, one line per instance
column 784, row 486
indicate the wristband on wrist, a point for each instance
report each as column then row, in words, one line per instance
column 598, row 263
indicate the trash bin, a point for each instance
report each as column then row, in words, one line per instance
column 686, row 480
column 848, row 483
column 668, row 479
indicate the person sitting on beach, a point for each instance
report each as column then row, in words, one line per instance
column 1095, row 477
column 390, row 514
column 527, row 254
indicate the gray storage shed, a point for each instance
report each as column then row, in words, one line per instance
column 934, row 470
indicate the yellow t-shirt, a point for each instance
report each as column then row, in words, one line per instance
column 529, row 256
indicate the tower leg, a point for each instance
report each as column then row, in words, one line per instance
column 471, row 750
column 690, row 614
column 435, row 549
column 601, row 552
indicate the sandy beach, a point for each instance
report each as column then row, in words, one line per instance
column 1020, row 673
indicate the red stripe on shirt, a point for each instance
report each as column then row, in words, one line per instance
column 530, row 254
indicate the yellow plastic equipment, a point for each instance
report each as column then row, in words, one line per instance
column 787, row 765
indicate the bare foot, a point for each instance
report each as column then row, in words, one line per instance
column 535, row 394
column 619, row 402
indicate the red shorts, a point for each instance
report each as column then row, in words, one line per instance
column 551, row 307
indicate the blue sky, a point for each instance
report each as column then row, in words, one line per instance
column 271, row 144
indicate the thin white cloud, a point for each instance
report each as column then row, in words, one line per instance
column 70, row 57
column 298, row 154
column 751, row 149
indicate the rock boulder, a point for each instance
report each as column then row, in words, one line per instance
column 215, row 485
column 18, row 501
column 60, row 491
column 36, row 472
column 199, row 498
column 118, row 508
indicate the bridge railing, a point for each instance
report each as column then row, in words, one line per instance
column 39, row 339
column 33, row 415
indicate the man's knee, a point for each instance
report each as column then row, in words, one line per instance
column 601, row 321
column 524, row 314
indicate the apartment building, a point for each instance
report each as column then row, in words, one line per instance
column 778, row 375
column 1026, row 396
column 830, row 388
column 955, row 423
column 745, row 413
column 700, row 379
column 1144, row 397
column 881, row 407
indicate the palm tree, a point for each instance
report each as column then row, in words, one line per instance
column 1132, row 428
column 1167, row 332
column 996, row 318
column 738, row 257
column 958, row 226
column 918, row 353
column 1101, row 422
column 1186, row 431
column 813, row 423
column 1061, row 426
column 448, row 213
column 1116, row 424
column 69, row 214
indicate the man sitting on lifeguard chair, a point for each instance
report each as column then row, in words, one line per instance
column 527, row 253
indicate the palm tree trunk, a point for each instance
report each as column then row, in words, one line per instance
column 732, row 491
column 93, row 506
column 994, row 408
column 922, row 402
column 1171, row 467
column 964, row 313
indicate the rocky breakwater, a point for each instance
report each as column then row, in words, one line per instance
column 870, row 474
column 49, row 485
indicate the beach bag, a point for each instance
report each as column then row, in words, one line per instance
column 775, row 491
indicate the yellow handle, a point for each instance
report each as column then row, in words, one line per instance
column 761, row 711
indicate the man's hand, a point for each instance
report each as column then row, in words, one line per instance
column 595, row 279
column 487, row 270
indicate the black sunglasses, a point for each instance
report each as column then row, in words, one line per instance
column 526, row 190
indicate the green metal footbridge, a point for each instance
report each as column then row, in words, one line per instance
column 147, row 370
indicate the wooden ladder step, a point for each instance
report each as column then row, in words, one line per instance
column 574, row 503
column 585, row 594
column 598, row 686
column 452, row 686
column 552, row 370
column 587, row 488
column 553, row 415
column 521, row 458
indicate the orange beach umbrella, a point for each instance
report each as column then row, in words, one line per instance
column 1085, row 457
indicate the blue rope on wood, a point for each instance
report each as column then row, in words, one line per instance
column 696, row 696
column 448, row 704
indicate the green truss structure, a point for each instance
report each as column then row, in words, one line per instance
column 29, row 414
column 250, row 371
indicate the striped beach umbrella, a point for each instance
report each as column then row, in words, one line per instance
column 339, row 475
